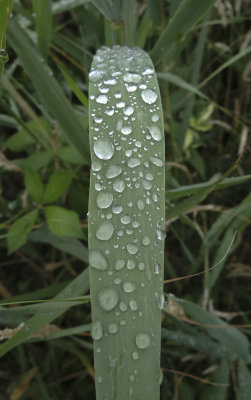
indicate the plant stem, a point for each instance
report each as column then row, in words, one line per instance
column 126, row 223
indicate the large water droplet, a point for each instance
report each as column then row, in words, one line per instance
column 97, row 260
column 157, row 161
column 103, row 149
column 132, row 248
column 97, row 330
column 143, row 340
column 105, row 231
column 108, row 298
column 95, row 75
column 102, row 99
column 104, row 199
column 149, row 96
column 155, row 132
column 132, row 77
column 128, row 287
column 112, row 171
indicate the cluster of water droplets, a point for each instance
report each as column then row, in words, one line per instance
column 127, row 163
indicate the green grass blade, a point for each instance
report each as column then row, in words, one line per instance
column 156, row 12
column 126, row 223
column 77, row 287
column 63, row 6
column 43, row 18
column 48, row 88
column 186, row 16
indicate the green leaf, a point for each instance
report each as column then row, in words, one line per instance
column 78, row 93
column 19, row 141
column 43, row 18
column 187, row 15
column 155, row 11
column 17, row 234
column 63, row 222
column 244, row 381
column 77, row 287
column 48, row 88
column 231, row 338
column 68, row 245
column 183, row 191
column 181, row 83
column 70, row 154
column 58, row 183
column 37, row 160
column 34, row 185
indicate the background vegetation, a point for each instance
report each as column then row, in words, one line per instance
column 204, row 78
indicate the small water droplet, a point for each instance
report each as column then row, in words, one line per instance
column 123, row 306
column 117, row 209
column 132, row 77
column 128, row 287
column 102, row 99
column 108, row 298
column 113, row 327
column 135, row 355
column 161, row 235
column 97, row 260
column 99, row 379
column 119, row 264
column 112, row 171
column 129, row 110
column 97, row 330
column 157, row 161
column 95, row 75
column 119, row 186
column 146, row 241
column 103, row 149
column 125, row 219
column 149, row 96
column 104, row 200
column 155, row 132
column 155, row 117
column 126, row 130
column 130, row 264
column 96, row 166
column 132, row 248
column 105, row 231
column 141, row 266
column 133, row 305
column 134, row 162
column 143, row 340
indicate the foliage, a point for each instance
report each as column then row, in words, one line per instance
column 201, row 54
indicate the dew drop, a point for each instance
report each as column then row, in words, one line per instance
column 148, row 71
column 146, row 241
column 105, row 231
column 119, row 264
column 112, row 171
column 143, row 340
column 108, row 299
column 130, row 264
column 149, row 96
column 132, row 248
column 133, row 305
column 141, row 266
column 113, row 327
column 132, row 77
column 95, row 75
column 119, row 186
column 99, row 379
column 161, row 235
column 134, row 162
column 126, row 130
column 157, row 161
column 135, row 355
column 155, row 117
column 128, row 287
column 125, row 219
column 117, row 209
column 96, row 166
column 123, row 306
column 129, row 110
column 102, row 99
column 97, row 330
column 97, row 260
column 155, row 132
column 103, row 149
column 104, row 200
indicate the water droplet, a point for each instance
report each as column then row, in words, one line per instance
column 157, row 161
column 128, row 153
column 108, row 299
column 95, row 75
column 119, row 186
column 161, row 235
column 132, row 77
column 135, row 355
column 132, row 248
column 131, row 378
column 140, row 204
column 143, row 340
column 4, row 57
column 134, row 162
column 120, row 104
column 147, row 185
column 96, row 166
column 112, row 171
column 97, row 260
column 102, row 99
column 97, row 330
column 123, row 306
column 146, row 241
column 99, row 379
column 117, row 281
column 113, row 327
column 133, row 305
column 128, row 287
column 129, row 110
column 149, row 177
column 130, row 264
column 119, row 264
column 117, row 209
column 141, row 266
column 156, row 269
column 105, row 231
column 103, row 149
column 98, row 186
column 155, row 132
column 125, row 219
column 104, row 200
column 126, row 130
column 123, row 322
column 149, row 96
column 148, row 71
column 155, row 117
column 111, row 82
